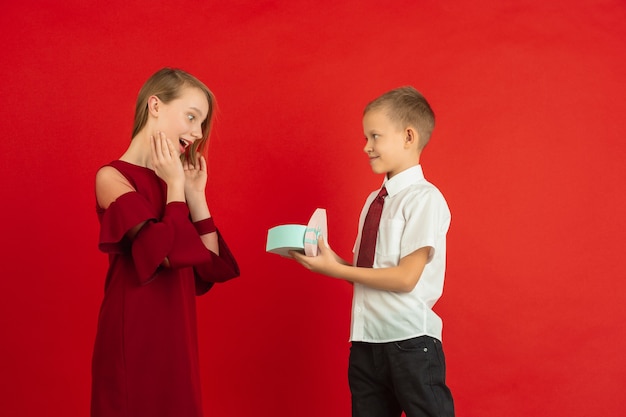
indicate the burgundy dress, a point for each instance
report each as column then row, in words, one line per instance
column 145, row 361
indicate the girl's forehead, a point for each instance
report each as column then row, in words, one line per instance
column 194, row 98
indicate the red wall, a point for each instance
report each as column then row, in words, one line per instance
column 529, row 151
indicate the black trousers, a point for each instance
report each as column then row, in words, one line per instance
column 389, row 378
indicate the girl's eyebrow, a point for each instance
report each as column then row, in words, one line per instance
column 197, row 110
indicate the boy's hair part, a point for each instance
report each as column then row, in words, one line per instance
column 167, row 84
column 407, row 107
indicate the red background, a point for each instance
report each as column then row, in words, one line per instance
column 529, row 151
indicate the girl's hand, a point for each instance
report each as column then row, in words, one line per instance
column 166, row 161
column 195, row 177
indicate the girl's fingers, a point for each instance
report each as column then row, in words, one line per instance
column 196, row 165
column 155, row 149
column 158, row 145
column 166, row 147
column 202, row 163
column 170, row 148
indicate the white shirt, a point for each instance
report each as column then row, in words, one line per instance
column 415, row 215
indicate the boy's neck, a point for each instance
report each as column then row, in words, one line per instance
column 390, row 175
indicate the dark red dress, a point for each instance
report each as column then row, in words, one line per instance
column 145, row 361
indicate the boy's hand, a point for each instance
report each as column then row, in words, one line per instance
column 324, row 263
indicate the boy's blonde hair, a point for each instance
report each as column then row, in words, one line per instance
column 407, row 107
column 167, row 84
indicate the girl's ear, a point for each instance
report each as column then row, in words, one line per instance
column 153, row 105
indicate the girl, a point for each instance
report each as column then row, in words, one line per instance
column 163, row 249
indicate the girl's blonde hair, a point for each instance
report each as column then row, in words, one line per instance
column 167, row 84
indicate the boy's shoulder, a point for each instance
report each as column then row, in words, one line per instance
column 422, row 197
column 421, row 189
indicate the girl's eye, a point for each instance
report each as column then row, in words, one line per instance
column 191, row 117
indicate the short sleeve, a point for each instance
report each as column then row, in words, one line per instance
column 427, row 221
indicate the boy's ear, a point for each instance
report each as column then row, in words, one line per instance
column 411, row 136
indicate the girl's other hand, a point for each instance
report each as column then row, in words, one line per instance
column 195, row 176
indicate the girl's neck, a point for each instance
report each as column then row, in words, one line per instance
column 138, row 152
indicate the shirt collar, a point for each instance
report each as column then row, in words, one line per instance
column 404, row 179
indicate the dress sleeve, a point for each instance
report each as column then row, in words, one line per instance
column 220, row 268
column 122, row 215
column 173, row 237
column 189, row 250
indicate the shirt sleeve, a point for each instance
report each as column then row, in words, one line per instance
column 427, row 219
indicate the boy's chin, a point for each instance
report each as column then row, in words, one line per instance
column 377, row 170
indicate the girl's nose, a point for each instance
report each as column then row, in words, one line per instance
column 197, row 133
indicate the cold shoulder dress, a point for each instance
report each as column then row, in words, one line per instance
column 145, row 360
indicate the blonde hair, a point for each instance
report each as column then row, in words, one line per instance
column 407, row 107
column 167, row 84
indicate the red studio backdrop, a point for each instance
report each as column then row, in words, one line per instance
column 529, row 151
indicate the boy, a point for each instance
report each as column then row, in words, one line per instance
column 396, row 360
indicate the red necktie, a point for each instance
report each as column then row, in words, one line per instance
column 367, row 248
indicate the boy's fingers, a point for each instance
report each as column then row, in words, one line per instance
column 321, row 243
column 295, row 255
